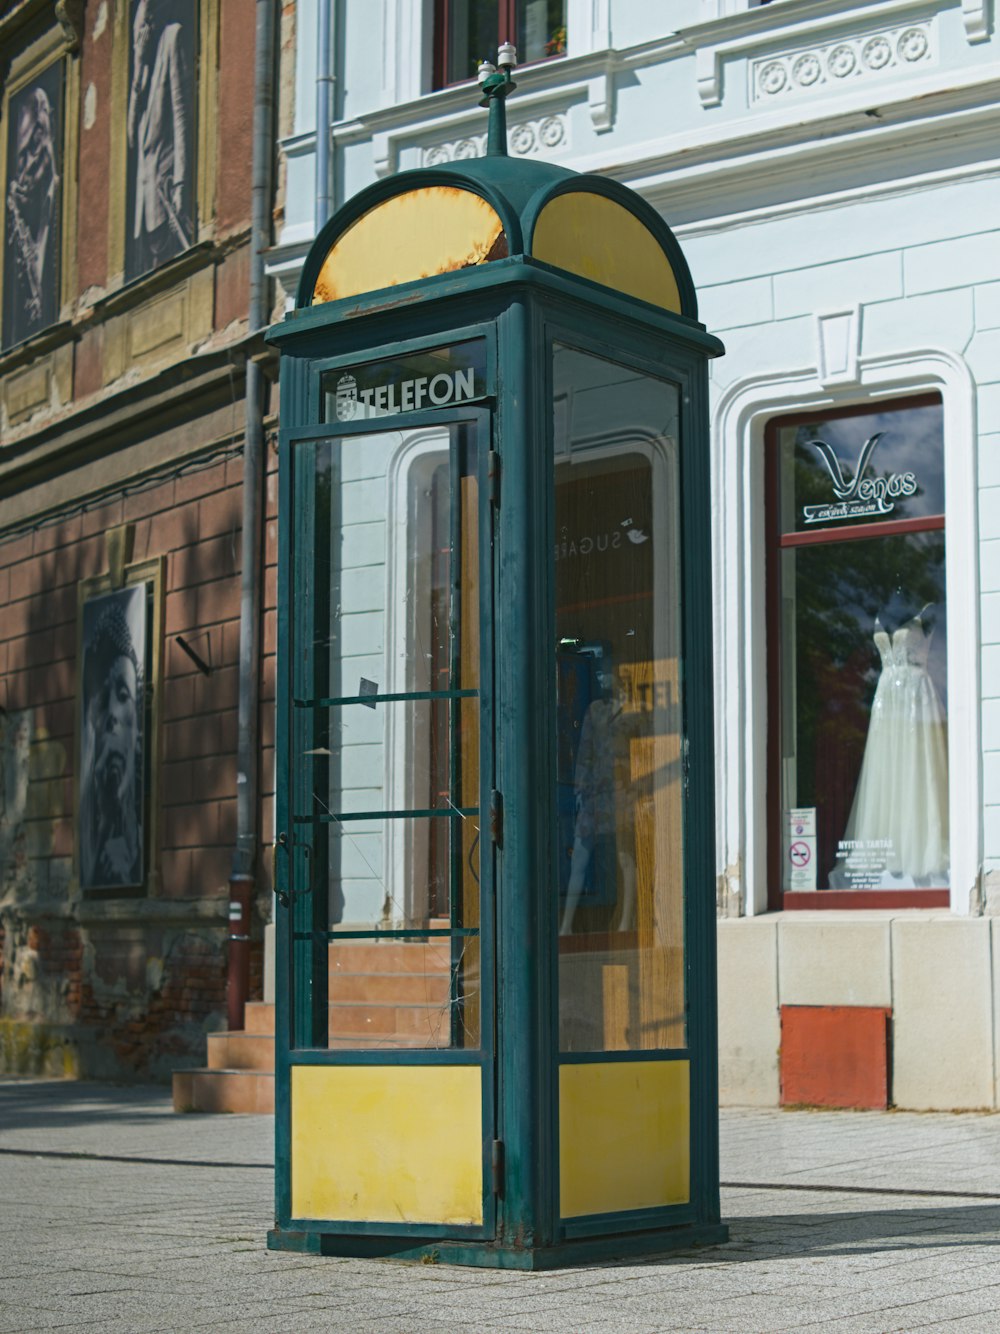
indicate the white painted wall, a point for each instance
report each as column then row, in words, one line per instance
column 831, row 171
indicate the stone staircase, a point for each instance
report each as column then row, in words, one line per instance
column 381, row 994
column 240, row 1072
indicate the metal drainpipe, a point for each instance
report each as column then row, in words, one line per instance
column 324, row 111
column 242, row 880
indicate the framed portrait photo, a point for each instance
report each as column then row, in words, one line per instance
column 161, row 132
column 111, row 741
column 32, row 204
column 119, row 655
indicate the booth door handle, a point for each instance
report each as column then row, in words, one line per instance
column 285, row 896
column 280, row 842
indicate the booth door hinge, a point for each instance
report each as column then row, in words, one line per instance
column 496, row 817
column 496, row 1166
column 493, row 476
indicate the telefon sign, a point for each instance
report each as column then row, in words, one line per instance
column 423, row 391
column 441, row 377
column 862, row 497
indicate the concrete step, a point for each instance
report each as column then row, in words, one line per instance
column 259, row 1018
column 390, row 993
column 241, row 1051
column 397, row 988
column 363, row 1019
column 390, row 956
column 223, row 1091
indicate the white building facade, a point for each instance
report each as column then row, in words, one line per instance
column 830, row 171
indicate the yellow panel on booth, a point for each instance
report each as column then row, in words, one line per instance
column 394, row 1144
column 595, row 237
column 624, row 1136
column 436, row 229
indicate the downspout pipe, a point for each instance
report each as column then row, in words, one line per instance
column 243, row 878
column 324, row 112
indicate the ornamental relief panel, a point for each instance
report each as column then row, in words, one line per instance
column 531, row 138
column 838, row 64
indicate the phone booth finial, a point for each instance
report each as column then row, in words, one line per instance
column 497, row 84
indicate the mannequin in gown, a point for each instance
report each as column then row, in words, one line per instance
column 901, row 800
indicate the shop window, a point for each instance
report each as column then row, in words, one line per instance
column 857, row 634
column 467, row 32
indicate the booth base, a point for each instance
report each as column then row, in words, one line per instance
column 494, row 1255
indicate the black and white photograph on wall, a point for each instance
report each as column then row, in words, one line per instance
column 160, row 126
column 31, row 206
column 112, row 713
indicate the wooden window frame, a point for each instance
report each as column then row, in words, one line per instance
column 506, row 32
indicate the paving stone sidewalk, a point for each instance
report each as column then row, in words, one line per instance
column 119, row 1217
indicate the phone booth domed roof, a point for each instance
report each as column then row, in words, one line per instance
column 438, row 220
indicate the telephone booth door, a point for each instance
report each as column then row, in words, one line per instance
column 385, row 862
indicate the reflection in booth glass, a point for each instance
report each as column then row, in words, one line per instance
column 618, row 757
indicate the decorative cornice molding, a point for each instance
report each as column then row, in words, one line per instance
column 29, row 37
column 838, row 344
column 115, row 418
column 842, row 60
column 529, row 138
column 537, row 135
column 977, row 16
column 804, row 26
column 70, row 14
column 822, row 136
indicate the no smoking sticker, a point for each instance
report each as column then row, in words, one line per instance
column 800, row 848
column 800, row 854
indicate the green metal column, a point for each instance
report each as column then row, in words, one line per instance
column 525, row 768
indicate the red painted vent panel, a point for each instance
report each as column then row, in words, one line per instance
column 835, row 1056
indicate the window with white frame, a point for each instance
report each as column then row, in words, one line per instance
column 857, row 656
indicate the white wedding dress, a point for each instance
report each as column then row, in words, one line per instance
column 901, row 800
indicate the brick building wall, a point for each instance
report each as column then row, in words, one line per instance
column 125, row 419
column 115, row 998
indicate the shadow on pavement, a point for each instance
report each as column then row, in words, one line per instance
column 55, row 1103
column 870, row 1231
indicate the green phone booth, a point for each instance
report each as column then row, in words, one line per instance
column 496, row 1035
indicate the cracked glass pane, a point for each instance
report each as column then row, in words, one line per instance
column 349, row 757
column 402, row 874
column 618, row 760
column 405, row 993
